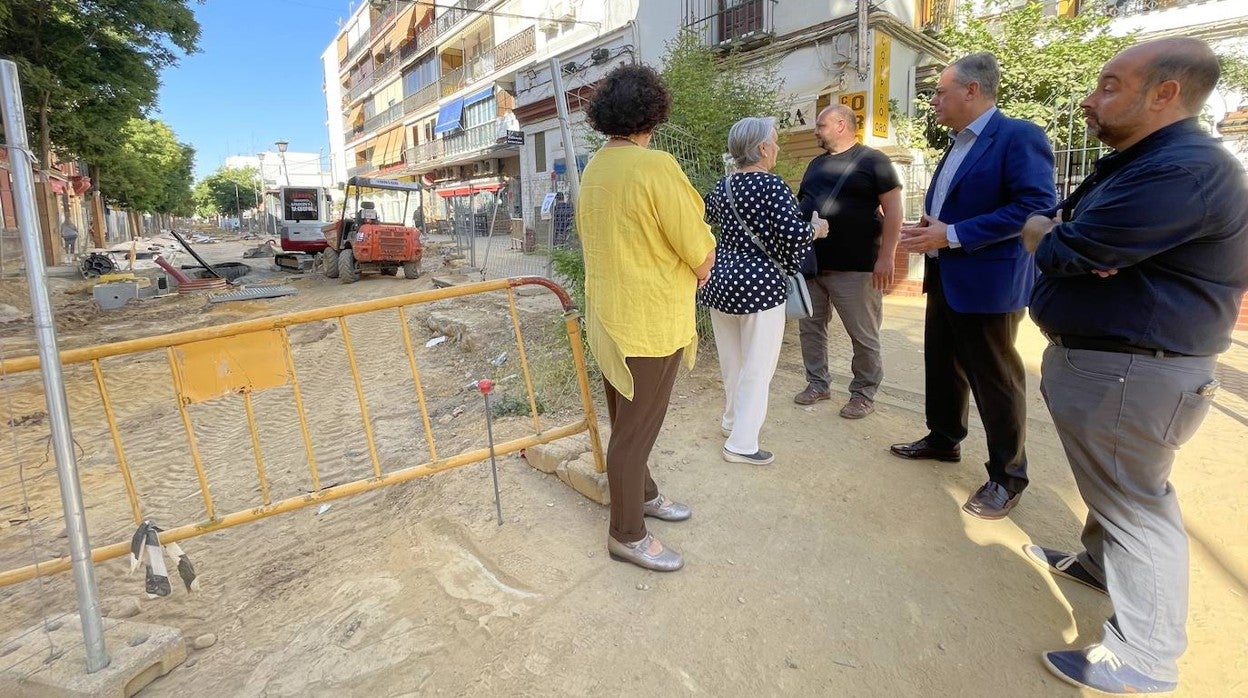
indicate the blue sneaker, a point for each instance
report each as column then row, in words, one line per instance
column 1099, row 669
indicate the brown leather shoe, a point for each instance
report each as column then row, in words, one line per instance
column 924, row 450
column 857, row 407
column 811, row 395
column 991, row 502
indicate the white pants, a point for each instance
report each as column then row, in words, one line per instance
column 749, row 347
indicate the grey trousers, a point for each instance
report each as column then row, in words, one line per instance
column 1121, row 418
column 861, row 308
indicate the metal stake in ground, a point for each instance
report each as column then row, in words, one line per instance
column 485, row 385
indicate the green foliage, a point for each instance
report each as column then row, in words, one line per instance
column 1048, row 63
column 1234, row 79
column 709, row 94
column 228, row 191
column 150, row 171
column 508, row 405
column 570, row 268
column 87, row 68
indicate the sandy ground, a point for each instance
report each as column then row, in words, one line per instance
column 839, row 570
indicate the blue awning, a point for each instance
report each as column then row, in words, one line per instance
column 449, row 116
column 478, row 96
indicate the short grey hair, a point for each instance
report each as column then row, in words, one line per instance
column 979, row 67
column 746, row 135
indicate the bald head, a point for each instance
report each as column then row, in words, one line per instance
column 839, row 111
column 1189, row 62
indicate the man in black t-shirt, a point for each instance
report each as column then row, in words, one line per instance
column 856, row 190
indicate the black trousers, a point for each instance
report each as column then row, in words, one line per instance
column 967, row 353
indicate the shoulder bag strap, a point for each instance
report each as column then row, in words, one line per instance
column 853, row 164
column 748, row 231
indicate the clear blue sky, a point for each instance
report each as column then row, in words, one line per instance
column 257, row 79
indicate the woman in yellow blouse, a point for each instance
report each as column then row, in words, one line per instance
column 647, row 250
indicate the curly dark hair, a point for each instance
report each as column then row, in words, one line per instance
column 630, row 99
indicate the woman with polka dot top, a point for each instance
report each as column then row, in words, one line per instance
column 746, row 291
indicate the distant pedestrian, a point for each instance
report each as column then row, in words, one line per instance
column 647, row 250
column 69, row 238
column 1142, row 270
column 759, row 222
column 856, row 190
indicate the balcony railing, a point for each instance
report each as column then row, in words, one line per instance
column 744, row 25
column 354, row 50
column 517, row 47
column 360, row 169
column 470, row 139
column 452, row 81
column 452, row 16
column 420, row 44
column 480, row 66
column 385, row 118
column 353, row 133
column 422, row 97
column 387, row 67
column 1126, row 8
column 357, row 90
column 378, row 26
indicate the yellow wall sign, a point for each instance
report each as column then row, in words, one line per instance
column 879, row 85
column 214, row 368
column 857, row 101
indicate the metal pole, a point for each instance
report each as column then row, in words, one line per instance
column 49, row 361
column 565, row 127
column 485, row 385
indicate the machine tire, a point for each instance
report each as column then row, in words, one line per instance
column 329, row 262
column 389, row 271
column 348, row 272
column 411, row 269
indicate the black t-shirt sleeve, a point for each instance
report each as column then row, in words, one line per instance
column 884, row 173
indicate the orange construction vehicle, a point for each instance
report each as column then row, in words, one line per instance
column 359, row 241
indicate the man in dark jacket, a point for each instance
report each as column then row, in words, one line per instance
column 1142, row 272
column 997, row 171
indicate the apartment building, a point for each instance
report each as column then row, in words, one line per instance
column 461, row 95
column 418, row 89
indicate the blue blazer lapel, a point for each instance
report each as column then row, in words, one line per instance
column 978, row 148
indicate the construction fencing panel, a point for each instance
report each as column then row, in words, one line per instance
column 205, row 429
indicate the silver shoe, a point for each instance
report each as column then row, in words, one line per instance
column 663, row 508
column 668, row 560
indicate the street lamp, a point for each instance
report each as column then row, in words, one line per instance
column 281, row 151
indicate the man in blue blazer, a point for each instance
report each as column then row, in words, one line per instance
column 978, row 278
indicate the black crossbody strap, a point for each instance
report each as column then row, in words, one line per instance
column 746, row 226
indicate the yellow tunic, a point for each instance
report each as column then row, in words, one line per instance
column 642, row 231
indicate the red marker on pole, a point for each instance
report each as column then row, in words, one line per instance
column 485, row 385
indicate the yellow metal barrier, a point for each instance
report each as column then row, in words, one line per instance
column 245, row 357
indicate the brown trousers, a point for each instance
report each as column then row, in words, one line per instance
column 635, row 426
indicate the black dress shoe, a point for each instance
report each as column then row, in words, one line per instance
column 991, row 502
column 923, row 449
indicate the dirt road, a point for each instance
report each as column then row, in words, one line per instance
column 839, row 570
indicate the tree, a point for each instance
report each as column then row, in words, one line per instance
column 150, row 171
column 88, row 67
column 1048, row 63
column 1234, row 79
column 229, row 190
column 710, row 93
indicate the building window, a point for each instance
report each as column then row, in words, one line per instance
column 738, row 18
column 539, row 151
column 483, row 112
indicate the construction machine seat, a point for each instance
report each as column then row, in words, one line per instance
column 367, row 213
